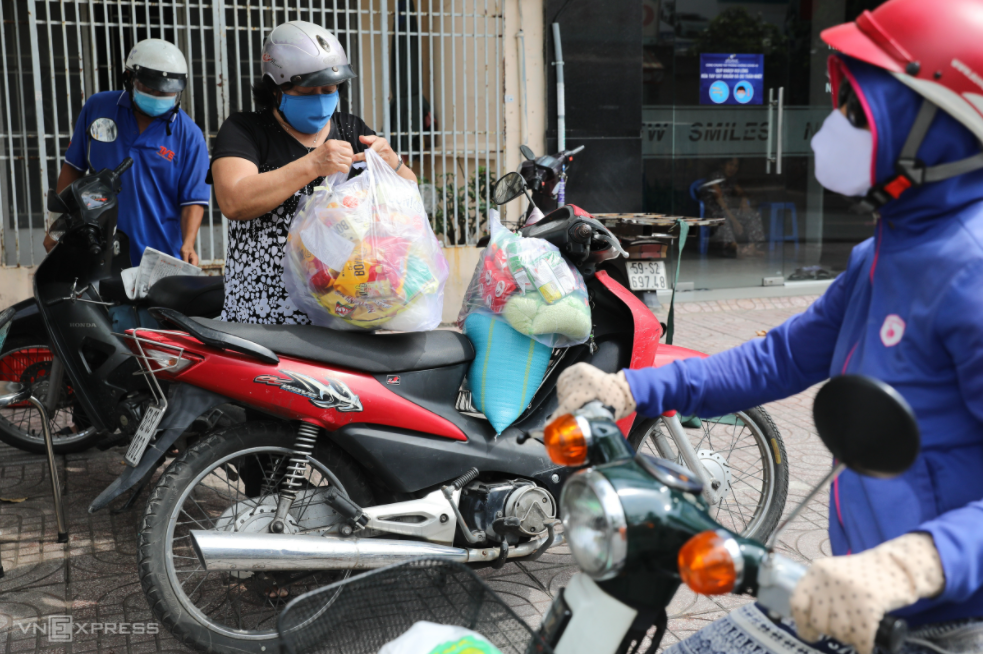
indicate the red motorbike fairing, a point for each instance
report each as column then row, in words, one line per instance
column 647, row 332
column 299, row 390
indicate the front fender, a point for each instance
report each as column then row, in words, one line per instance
column 27, row 322
column 184, row 406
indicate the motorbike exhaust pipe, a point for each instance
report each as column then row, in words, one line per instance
column 239, row 551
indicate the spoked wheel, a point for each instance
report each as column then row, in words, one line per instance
column 230, row 481
column 28, row 361
column 743, row 456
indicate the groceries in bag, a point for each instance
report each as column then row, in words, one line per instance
column 528, row 283
column 432, row 638
column 361, row 254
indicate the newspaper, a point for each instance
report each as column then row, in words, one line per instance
column 154, row 266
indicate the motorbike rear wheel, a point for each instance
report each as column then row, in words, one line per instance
column 231, row 481
column 743, row 455
column 28, row 361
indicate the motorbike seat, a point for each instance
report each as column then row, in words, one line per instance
column 365, row 352
column 189, row 294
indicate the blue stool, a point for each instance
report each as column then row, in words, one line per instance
column 776, row 225
column 704, row 231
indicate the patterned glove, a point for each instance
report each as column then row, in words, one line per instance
column 582, row 383
column 845, row 597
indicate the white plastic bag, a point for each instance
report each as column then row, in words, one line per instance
column 361, row 255
column 528, row 283
column 431, row 638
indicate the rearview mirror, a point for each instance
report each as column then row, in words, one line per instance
column 55, row 203
column 508, row 187
column 527, row 152
column 867, row 425
column 103, row 130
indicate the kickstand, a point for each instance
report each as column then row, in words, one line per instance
column 503, row 556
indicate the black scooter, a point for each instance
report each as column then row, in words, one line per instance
column 543, row 176
column 60, row 343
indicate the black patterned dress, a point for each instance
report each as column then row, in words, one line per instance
column 254, row 290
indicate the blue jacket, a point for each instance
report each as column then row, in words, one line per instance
column 908, row 310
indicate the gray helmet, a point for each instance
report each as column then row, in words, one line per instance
column 159, row 65
column 305, row 54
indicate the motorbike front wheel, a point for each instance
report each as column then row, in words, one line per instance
column 28, row 361
column 744, row 458
column 230, row 481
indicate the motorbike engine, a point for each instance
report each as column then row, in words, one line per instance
column 509, row 510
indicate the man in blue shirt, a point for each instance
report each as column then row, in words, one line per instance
column 164, row 194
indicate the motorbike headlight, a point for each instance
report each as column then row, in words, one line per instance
column 595, row 525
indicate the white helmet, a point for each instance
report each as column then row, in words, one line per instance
column 304, row 54
column 158, row 65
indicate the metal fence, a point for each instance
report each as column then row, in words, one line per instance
column 430, row 80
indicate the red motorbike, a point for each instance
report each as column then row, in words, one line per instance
column 360, row 450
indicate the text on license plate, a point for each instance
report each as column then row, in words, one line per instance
column 147, row 428
column 647, row 276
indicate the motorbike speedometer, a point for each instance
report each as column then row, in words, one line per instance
column 595, row 525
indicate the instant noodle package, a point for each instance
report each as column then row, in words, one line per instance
column 528, row 283
column 361, row 254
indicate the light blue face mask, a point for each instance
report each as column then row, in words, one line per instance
column 153, row 105
column 308, row 113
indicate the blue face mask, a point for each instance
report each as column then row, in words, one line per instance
column 153, row 105
column 308, row 113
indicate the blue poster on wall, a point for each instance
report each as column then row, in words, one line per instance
column 732, row 78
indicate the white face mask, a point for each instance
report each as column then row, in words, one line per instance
column 843, row 156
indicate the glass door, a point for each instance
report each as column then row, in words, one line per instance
column 732, row 94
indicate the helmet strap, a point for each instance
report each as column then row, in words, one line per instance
column 912, row 172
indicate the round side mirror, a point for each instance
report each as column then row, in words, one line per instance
column 867, row 425
column 12, row 392
column 508, row 187
column 103, row 130
column 527, row 152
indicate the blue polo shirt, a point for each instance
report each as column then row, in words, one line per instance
column 168, row 169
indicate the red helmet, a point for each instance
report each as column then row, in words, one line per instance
column 933, row 47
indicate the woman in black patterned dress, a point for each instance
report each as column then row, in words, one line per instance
column 264, row 161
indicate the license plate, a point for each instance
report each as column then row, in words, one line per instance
column 647, row 276
column 146, row 430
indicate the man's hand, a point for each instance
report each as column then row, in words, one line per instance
column 582, row 383
column 188, row 253
column 191, row 216
column 845, row 597
column 381, row 147
column 331, row 157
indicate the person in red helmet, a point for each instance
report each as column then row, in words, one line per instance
column 905, row 137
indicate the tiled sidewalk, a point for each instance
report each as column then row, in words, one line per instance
column 94, row 577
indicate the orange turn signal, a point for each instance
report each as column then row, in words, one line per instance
column 706, row 565
column 565, row 441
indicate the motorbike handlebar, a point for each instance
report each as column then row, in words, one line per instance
column 123, row 167
column 778, row 576
column 891, row 634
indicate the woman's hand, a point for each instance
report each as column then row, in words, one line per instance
column 381, row 147
column 582, row 383
column 332, row 157
column 845, row 597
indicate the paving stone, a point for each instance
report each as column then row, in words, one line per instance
column 94, row 577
